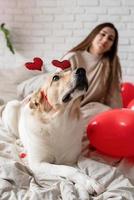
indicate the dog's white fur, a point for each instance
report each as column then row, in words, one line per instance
column 51, row 130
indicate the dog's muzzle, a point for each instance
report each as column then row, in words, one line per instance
column 81, row 83
column 81, row 79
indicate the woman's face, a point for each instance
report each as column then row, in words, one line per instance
column 103, row 41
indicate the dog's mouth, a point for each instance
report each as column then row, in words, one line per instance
column 81, row 84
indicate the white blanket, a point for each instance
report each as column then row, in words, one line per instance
column 17, row 181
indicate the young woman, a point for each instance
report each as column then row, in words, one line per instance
column 97, row 53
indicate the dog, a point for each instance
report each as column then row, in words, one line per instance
column 50, row 126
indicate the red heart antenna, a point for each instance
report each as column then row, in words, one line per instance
column 61, row 64
column 35, row 65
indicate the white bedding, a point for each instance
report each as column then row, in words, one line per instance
column 11, row 79
column 17, row 181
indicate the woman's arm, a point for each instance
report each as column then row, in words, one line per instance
column 113, row 96
column 114, row 99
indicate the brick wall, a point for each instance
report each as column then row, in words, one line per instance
column 49, row 28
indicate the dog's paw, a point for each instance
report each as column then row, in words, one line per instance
column 90, row 184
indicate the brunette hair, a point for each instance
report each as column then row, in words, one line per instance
column 86, row 43
column 110, row 56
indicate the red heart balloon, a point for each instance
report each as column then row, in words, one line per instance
column 61, row 64
column 112, row 132
column 127, row 92
column 35, row 65
column 131, row 105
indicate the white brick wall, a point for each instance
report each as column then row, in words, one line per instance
column 49, row 28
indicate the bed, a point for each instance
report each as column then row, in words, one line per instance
column 18, row 182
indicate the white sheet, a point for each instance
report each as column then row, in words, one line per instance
column 18, row 182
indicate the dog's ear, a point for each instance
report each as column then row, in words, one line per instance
column 34, row 100
column 45, row 102
column 39, row 102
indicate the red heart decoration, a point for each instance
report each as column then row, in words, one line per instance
column 35, row 65
column 61, row 64
column 131, row 105
column 22, row 155
column 111, row 132
column 127, row 92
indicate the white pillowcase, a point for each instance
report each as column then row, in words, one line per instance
column 9, row 80
column 30, row 85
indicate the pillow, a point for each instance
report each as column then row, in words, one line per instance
column 10, row 78
column 30, row 85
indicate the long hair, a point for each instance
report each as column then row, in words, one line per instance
column 115, row 73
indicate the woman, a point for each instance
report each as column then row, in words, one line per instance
column 98, row 55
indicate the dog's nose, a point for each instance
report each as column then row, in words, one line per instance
column 81, row 79
column 81, row 72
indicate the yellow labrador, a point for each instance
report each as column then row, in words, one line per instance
column 50, row 126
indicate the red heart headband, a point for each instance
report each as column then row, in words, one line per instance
column 61, row 64
column 38, row 63
column 35, row 65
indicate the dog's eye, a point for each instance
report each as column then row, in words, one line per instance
column 56, row 78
